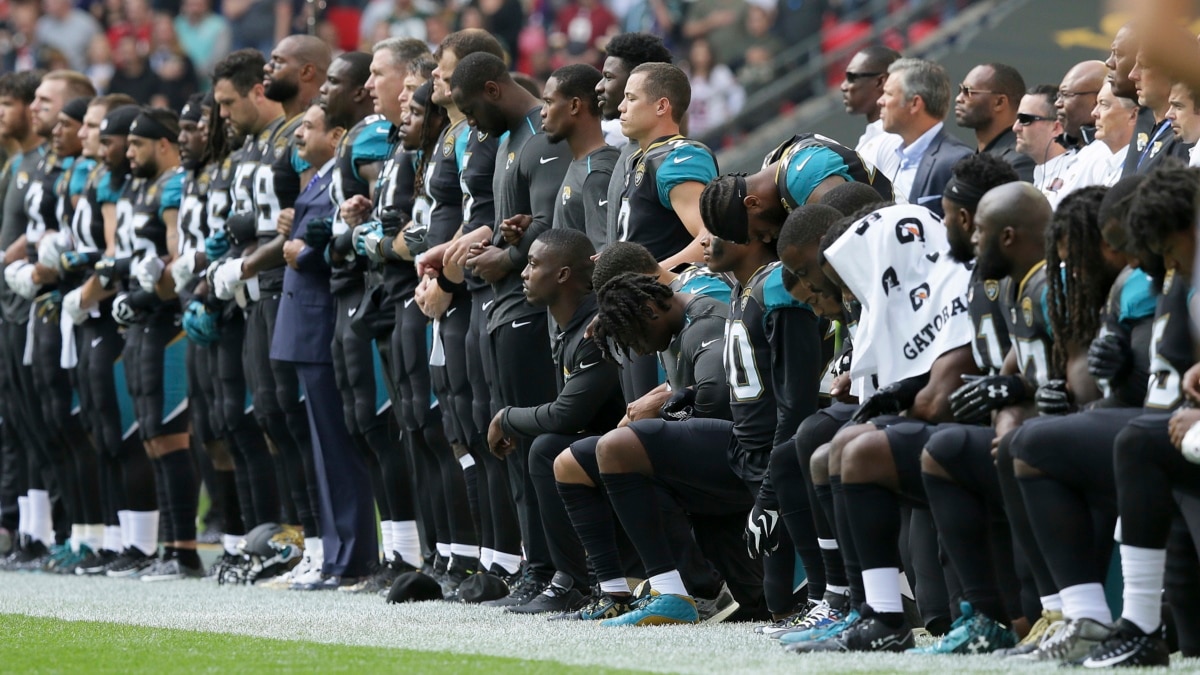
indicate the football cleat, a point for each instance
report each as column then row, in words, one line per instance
column 95, row 563
column 786, row 623
column 658, row 610
column 1128, row 646
column 598, row 607
column 824, row 620
column 1074, row 641
column 716, row 610
column 555, row 599
column 972, row 633
column 869, row 634
column 457, row 571
column 524, row 589
column 1046, row 625
column 171, row 570
column 130, row 563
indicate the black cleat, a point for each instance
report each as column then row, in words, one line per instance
column 869, row 634
column 1127, row 647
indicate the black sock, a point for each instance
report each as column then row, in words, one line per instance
column 962, row 520
column 162, row 501
column 632, row 496
column 592, row 518
column 835, row 566
column 1063, row 529
column 225, row 485
column 182, row 494
column 873, row 513
column 841, row 517
column 1018, row 519
column 189, row 557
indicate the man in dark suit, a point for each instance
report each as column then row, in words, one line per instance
column 987, row 103
column 303, row 335
column 916, row 98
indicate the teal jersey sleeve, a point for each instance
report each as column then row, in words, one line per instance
column 775, row 296
column 79, row 177
column 703, row 284
column 1046, row 309
column 299, row 165
column 460, row 145
column 684, row 163
column 370, row 145
column 808, row 167
column 106, row 193
column 172, row 194
column 1137, row 298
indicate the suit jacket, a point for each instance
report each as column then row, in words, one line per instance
column 934, row 170
column 1166, row 145
column 1004, row 146
column 305, row 322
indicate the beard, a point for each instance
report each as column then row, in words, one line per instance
column 281, row 90
column 960, row 245
column 991, row 266
column 147, row 170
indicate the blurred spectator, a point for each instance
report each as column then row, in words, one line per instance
column 203, row 35
column 723, row 22
column 657, row 17
column 171, row 64
column 504, row 19
column 100, row 67
column 253, row 23
column 21, row 48
column 134, row 76
column 584, row 24
column 328, row 32
column 758, row 69
column 67, row 29
column 437, row 27
column 799, row 20
column 135, row 23
column 393, row 18
column 716, row 94
column 758, row 27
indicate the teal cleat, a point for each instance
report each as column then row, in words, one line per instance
column 972, row 633
column 658, row 610
column 821, row 632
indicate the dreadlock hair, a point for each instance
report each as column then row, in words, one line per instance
column 1078, row 293
column 1165, row 203
column 436, row 119
column 218, row 146
column 624, row 308
column 620, row 257
column 850, row 197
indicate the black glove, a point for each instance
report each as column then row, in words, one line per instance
column 681, row 405
column 980, row 395
column 242, row 228
column 318, row 233
column 761, row 535
column 343, row 244
column 891, row 400
column 1109, row 357
column 112, row 270
column 1053, row 398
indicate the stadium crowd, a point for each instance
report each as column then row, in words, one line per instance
column 427, row 329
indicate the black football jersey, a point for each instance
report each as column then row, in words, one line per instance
column 1129, row 313
column 366, row 142
column 991, row 343
column 476, row 167
column 795, row 155
column 276, row 186
column 645, row 215
column 1029, row 324
column 193, row 221
column 443, row 186
column 1171, row 345
column 87, row 222
column 151, row 199
column 41, row 201
column 69, row 189
column 396, row 188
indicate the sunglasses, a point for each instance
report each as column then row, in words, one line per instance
column 853, row 77
column 969, row 92
column 1025, row 119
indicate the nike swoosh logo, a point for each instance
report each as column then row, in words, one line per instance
column 487, row 304
column 409, row 302
column 705, row 344
column 802, row 164
column 97, row 341
column 603, row 202
column 523, row 323
column 352, row 311
column 450, row 311
column 681, row 160
column 547, row 160
column 585, row 366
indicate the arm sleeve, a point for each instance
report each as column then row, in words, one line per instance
column 172, row 194
column 285, row 180
column 371, row 145
column 795, row 366
column 685, row 163
column 705, row 346
column 592, row 381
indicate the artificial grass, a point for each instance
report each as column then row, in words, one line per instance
column 46, row 645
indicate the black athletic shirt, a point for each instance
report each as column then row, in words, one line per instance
column 797, row 158
column 366, row 142
column 477, row 165
column 773, row 362
column 696, row 357
column 529, row 171
column 1029, row 324
column 442, row 184
column 583, row 199
column 1129, row 313
column 276, row 186
column 1171, row 345
column 396, row 188
column 991, row 343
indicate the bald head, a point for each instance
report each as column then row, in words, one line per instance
column 296, row 71
column 1077, row 95
column 306, row 50
column 1010, row 226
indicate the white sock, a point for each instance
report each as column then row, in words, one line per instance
column 407, row 542
column 619, row 585
column 387, row 537
column 827, row 544
column 76, row 537
column 314, row 550
column 126, row 529
column 229, row 542
column 669, row 583
column 464, row 550
column 443, row 550
column 511, row 563
column 882, row 586
column 41, row 524
column 837, row 590
column 93, row 536
column 486, row 557
column 1052, row 603
column 1143, row 572
column 1085, row 601
column 466, row 461
column 143, row 531
column 23, row 515
column 112, row 539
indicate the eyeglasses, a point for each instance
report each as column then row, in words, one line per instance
column 1065, row 95
column 1025, row 119
column 853, row 77
column 969, row 92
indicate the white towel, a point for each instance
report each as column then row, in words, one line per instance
column 914, row 296
column 437, row 352
column 69, row 356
